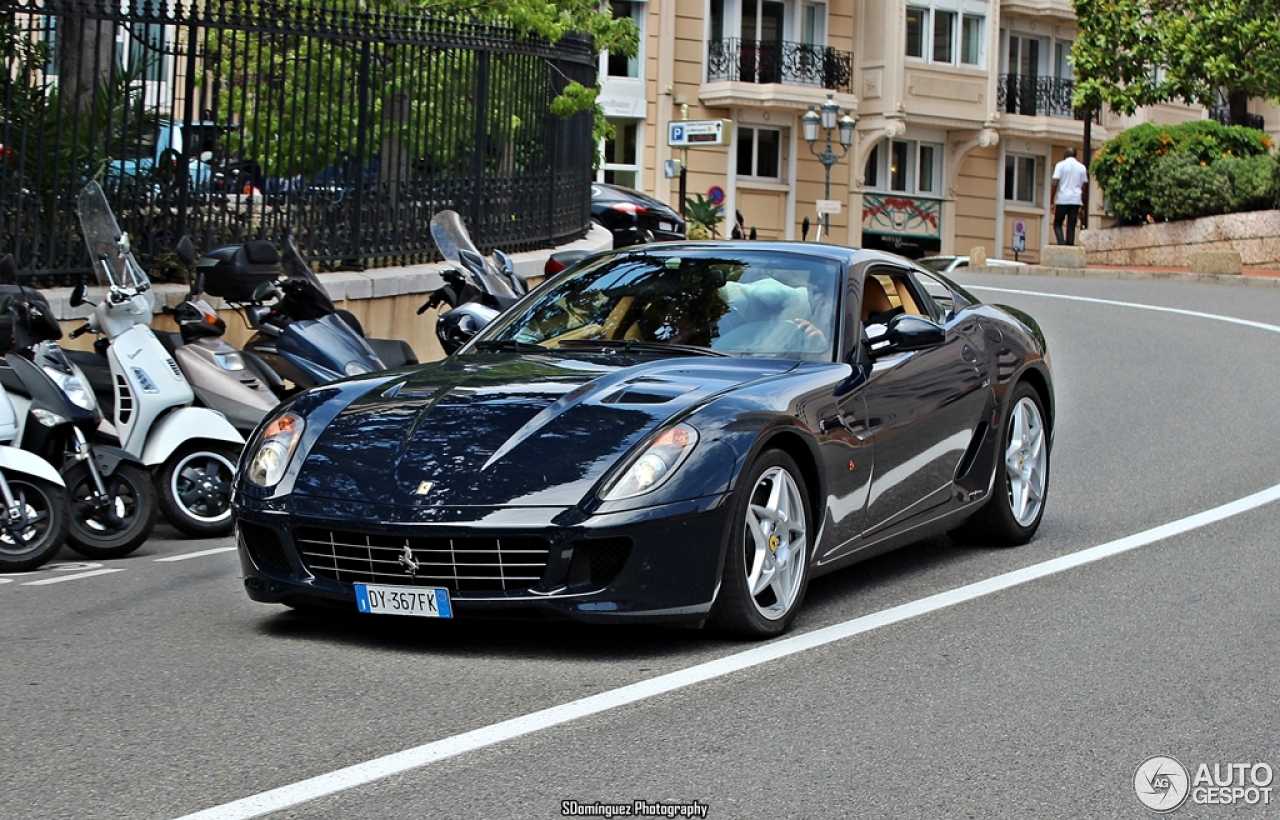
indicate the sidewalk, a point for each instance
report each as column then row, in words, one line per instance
column 1264, row 277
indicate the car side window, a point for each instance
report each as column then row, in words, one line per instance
column 938, row 293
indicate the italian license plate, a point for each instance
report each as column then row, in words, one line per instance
column 425, row 602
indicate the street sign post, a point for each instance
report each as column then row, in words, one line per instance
column 1019, row 237
column 698, row 133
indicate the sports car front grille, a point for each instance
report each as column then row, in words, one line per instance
column 468, row 564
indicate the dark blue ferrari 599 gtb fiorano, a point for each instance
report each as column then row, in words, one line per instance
column 682, row 432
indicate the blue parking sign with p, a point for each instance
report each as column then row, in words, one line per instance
column 677, row 133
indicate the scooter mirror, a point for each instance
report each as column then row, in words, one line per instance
column 77, row 295
column 8, row 268
column 265, row 291
column 505, row 264
column 186, row 251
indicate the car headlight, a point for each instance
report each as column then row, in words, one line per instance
column 356, row 369
column 73, row 387
column 663, row 455
column 275, row 448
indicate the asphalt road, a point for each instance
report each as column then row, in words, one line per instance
column 160, row 690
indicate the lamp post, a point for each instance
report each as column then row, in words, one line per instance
column 829, row 122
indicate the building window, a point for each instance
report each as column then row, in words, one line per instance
column 1021, row 175
column 618, row 65
column 947, row 37
column 621, row 164
column 909, row 167
column 760, row 153
column 971, row 40
column 916, row 20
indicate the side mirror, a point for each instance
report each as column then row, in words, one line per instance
column 77, row 295
column 905, row 333
column 505, row 264
column 186, row 251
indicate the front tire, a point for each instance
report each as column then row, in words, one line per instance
column 766, row 566
column 38, row 526
column 115, row 525
column 194, row 487
column 1012, row 514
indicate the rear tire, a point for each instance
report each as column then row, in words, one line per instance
column 766, row 566
column 118, row 526
column 41, row 529
column 194, row 487
column 1011, row 516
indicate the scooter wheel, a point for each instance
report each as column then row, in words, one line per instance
column 194, row 486
column 116, row 525
column 38, row 526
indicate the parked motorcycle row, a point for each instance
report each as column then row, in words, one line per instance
column 95, row 445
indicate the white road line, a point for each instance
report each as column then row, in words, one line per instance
column 62, row 578
column 1136, row 305
column 199, row 554
column 378, row 768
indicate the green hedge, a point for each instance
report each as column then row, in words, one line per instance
column 1185, row 171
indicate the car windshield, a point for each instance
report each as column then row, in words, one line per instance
column 746, row 302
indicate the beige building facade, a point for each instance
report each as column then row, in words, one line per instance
column 962, row 110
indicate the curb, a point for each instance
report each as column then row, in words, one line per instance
column 1135, row 275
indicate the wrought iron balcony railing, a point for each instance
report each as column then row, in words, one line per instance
column 1222, row 113
column 1035, row 96
column 778, row 61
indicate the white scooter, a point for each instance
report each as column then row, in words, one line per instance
column 191, row 451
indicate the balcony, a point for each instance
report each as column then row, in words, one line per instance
column 1222, row 113
column 1034, row 96
column 778, row 61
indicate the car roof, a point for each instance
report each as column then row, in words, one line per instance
column 841, row 253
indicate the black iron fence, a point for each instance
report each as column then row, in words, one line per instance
column 1035, row 96
column 235, row 118
column 779, row 61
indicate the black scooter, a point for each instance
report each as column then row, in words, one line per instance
column 113, row 501
column 475, row 290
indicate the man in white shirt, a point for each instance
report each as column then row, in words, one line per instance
column 1069, row 178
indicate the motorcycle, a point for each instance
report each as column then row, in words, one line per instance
column 475, row 290
column 301, row 335
column 112, row 504
column 191, row 451
column 36, row 514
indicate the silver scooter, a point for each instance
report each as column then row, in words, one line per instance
column 235, row 383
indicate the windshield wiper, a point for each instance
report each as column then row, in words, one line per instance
column 509, row 345
column 638, row 346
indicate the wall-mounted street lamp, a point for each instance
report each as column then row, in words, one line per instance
column 830, row 120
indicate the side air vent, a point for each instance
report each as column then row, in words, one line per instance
column 263, row 546
column 124, row 400
column 596, row 562
column 177, row 371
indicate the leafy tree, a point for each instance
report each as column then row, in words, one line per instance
column 273, row 76
column 1133, row 53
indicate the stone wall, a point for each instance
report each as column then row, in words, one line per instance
column 385, row 301
column 1254, row 235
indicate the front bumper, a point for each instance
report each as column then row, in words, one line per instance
column 659, row 564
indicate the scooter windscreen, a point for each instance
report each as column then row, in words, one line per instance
column 455, row 245
column 305, row 298
column 109, row 252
